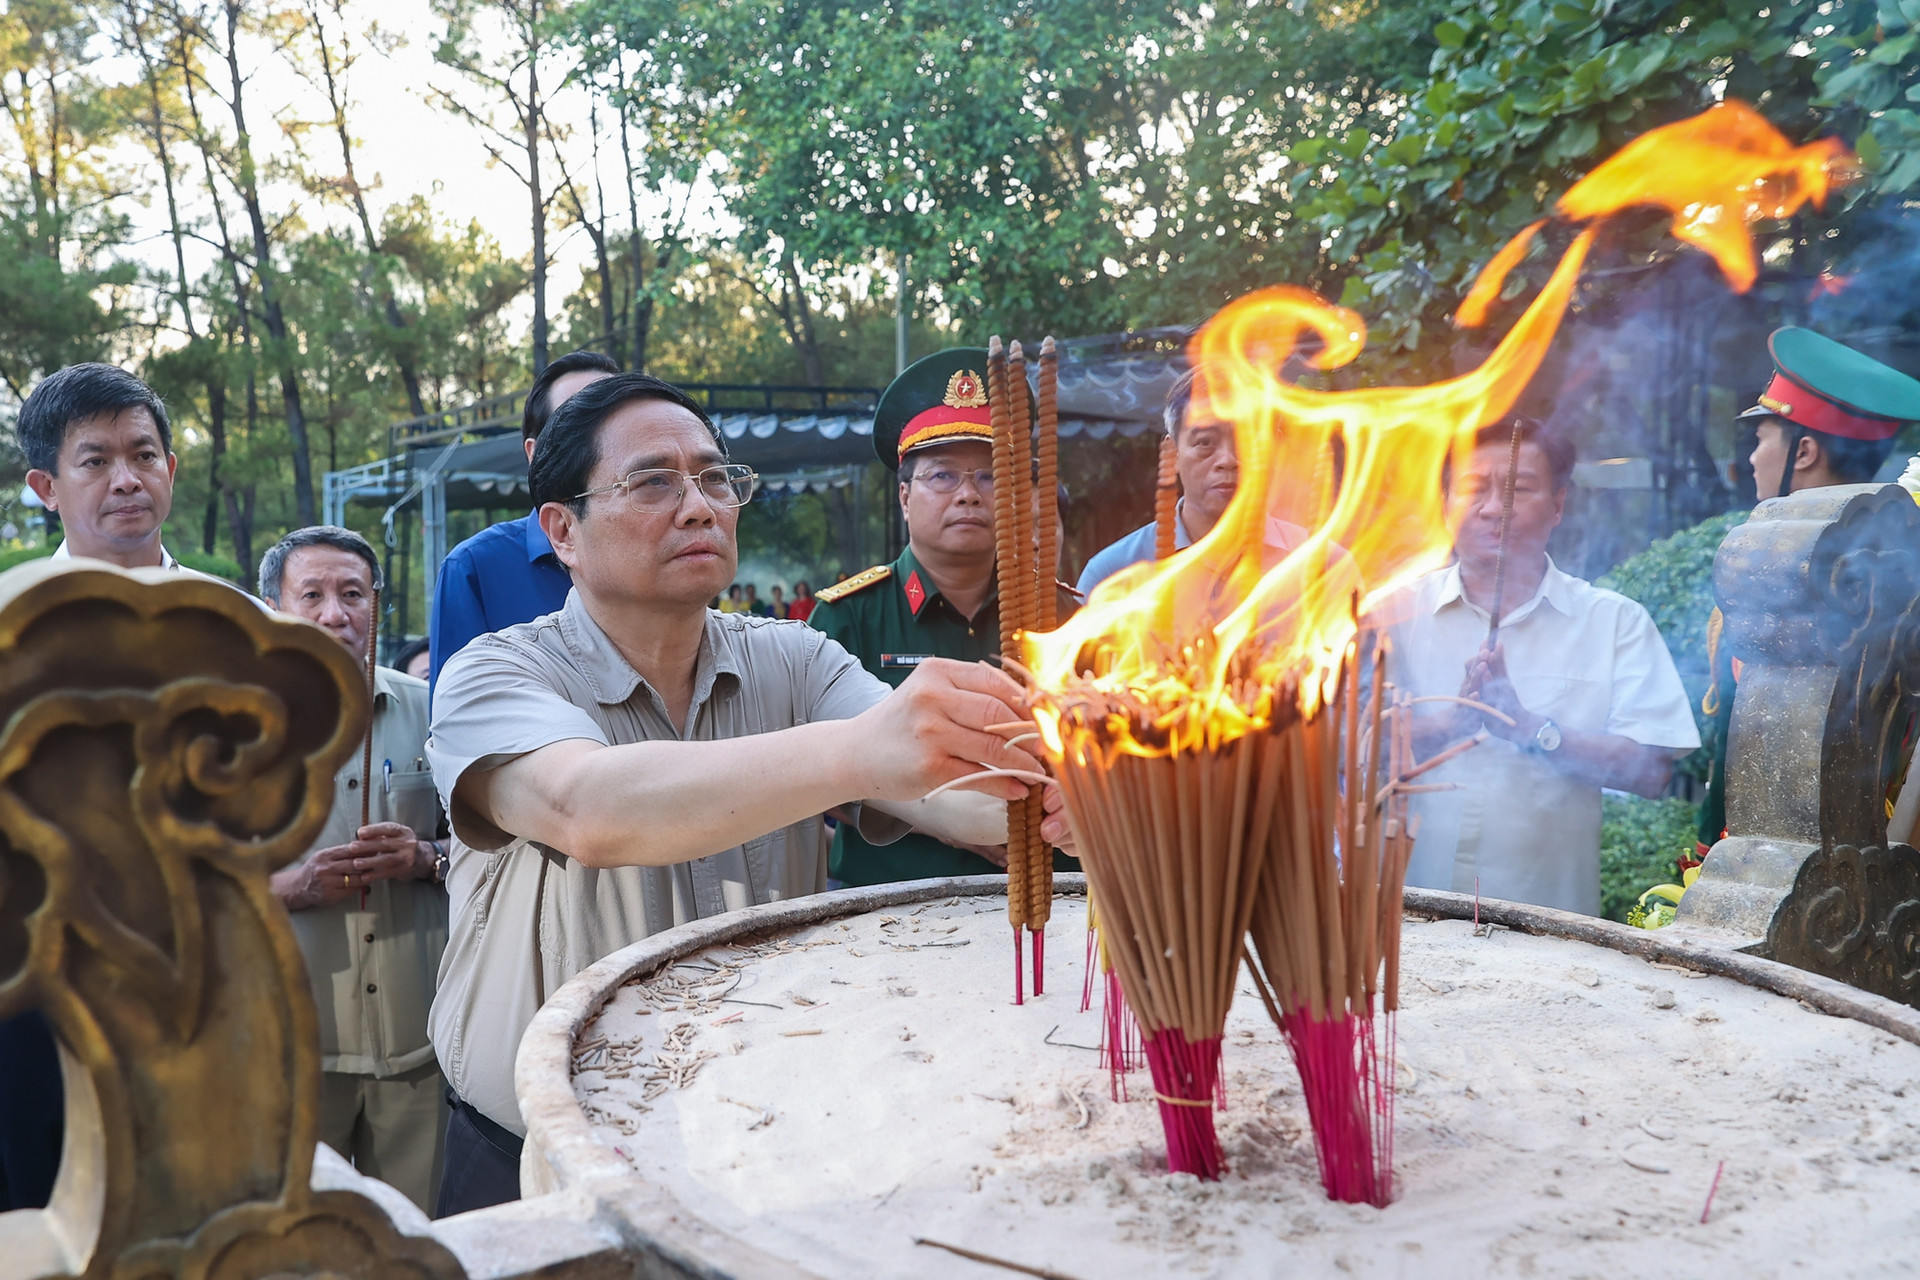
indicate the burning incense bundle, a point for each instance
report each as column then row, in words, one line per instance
column 1202, row 711
column 1326, row 925
column 1172, row 844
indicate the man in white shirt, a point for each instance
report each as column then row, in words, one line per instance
column 100, row 452
column 1580, row 672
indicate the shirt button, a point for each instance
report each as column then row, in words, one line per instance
column 368, row 938
column 371, row 988
column 353, row 784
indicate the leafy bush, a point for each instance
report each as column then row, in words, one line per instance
column 1673, row 579
column 21, row 555
column 215, row 566
column 1641, row 844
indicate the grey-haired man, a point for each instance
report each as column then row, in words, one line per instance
column 369, row 902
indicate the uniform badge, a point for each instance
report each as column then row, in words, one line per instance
column 916, row 594
column 896, row 660
column 966, row 390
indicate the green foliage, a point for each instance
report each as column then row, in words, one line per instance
column 1048, row 164
column 1523, row 96
column 215, row 566
column 14, row 556
column 1673, row 579
column 1641, row 844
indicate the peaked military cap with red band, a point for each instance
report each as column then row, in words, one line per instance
column 1829, row 387
column 937, row 400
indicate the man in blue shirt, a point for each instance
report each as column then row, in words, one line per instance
column 1209, row 471
column 507, row 574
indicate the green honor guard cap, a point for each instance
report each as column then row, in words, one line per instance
column 1829, row 387
column 939, row 398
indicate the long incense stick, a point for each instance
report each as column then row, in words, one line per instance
column 1500, row 552
column 1044, row 617
column 1008, row 522
column 366, row 746
column 1166, row 501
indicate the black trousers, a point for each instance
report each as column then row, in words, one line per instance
column 32, row 1112
column 483, row 1162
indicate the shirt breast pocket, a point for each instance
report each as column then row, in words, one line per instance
column 413, row 802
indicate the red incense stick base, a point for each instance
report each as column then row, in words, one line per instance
column 1348, row 1084
column 1186, row 1080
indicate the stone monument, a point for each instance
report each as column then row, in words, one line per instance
column 1821, row 595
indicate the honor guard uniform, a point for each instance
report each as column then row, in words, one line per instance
column 1851, row 406
column 893, row 617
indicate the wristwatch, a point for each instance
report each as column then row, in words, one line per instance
column 440, row 861
column 1547, row 736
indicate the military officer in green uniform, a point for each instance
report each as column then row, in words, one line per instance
column 1828, row 417
column 938, row 600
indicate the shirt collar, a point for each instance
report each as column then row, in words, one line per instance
column 613, row 679
column 538, row 547
column 1556, row 588
column 918, row 585
column 63, row 552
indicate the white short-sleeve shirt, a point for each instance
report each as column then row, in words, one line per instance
column 1587, row 658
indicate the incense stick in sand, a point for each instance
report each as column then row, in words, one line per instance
column 1171, row 845
column 1325, row 925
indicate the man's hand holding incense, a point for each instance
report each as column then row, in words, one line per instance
column 1605, row 759
column 1487, row 676
column 1054, row 827
column 379, row 851
column 933, row 731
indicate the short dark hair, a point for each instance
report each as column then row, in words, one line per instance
column 1557, row 445
column 569, row 447
column 408, row 652
column 539, row 407
column 74, row 394
column 1854, row 461
column 273, row 565
column 1179, row 400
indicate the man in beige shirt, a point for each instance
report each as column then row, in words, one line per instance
column 367, row 901
column 636, row 760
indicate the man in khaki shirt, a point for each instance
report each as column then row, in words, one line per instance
column 637, row 760
column 366, row 901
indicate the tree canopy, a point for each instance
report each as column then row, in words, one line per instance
column 747, row 176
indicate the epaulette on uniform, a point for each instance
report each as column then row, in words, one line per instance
column 858, row 582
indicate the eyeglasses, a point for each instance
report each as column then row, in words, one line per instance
column 945, row 481
column 658, row 489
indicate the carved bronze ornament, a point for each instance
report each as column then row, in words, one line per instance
column 167, row 744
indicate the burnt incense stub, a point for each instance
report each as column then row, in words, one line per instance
column 1821, row 595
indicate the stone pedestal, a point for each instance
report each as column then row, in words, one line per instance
column 1821, row 596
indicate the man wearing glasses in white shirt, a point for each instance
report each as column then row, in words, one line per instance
column 1587, row 692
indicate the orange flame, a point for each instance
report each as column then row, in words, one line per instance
column 1205, row 643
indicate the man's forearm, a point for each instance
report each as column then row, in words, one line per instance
column 662, row 803
column 1612, row 761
